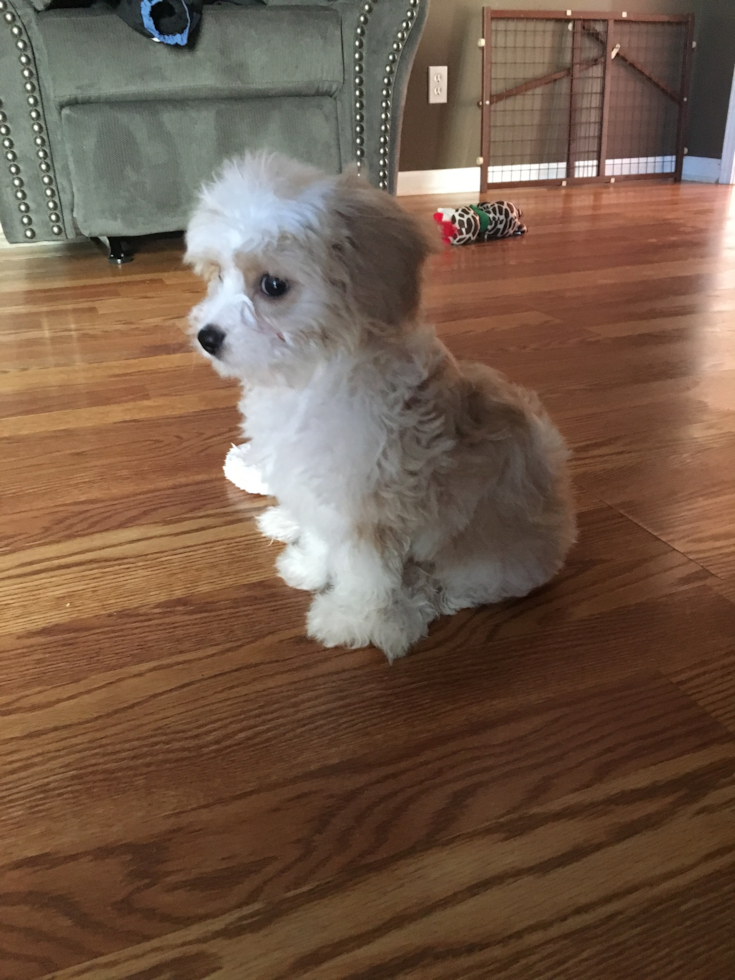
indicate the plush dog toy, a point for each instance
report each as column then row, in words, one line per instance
column 479, row 222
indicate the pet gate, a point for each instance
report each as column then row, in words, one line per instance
column 570, row 97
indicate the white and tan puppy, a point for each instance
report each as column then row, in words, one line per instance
column 408, row 484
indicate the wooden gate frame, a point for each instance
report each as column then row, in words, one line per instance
column 488, row 100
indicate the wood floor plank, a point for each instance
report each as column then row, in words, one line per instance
column 110, row 508
column 191, row 789
column 116, row 460
column 118, row 570
column 260, row 842
column 712, row 685
column 159, row 370
column 465, row 906
column 623, row 588
column 664, row 941
column 31, row 425
column 694, row 514
column 724, row 587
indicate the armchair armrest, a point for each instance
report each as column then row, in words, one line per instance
column 381, row 41
column 29, row 193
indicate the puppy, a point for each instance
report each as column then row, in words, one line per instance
column 409, row 485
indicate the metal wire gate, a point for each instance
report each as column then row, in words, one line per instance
column 568, row 97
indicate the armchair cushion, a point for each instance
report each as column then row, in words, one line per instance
column 113, row 156
column 240, row 52
column 49, row 4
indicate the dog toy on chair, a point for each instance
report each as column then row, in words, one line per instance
column 479, row 222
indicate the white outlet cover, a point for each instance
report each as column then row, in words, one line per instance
column 437, row 83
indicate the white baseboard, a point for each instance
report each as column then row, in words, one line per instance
column 703, row 170
column 460, row 180
column 457, row 180
column 625, row 166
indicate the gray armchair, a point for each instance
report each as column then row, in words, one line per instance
column 106, row 133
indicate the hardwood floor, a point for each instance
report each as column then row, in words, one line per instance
column 544, row 790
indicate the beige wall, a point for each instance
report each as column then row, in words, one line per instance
column 439, row 136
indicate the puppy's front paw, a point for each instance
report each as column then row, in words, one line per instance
column 301, row 570
column 278, row 525
column 393, row 637
column 392, row 630
column 242, row 474
column 333, row 624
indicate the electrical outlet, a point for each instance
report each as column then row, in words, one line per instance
column 438, row 83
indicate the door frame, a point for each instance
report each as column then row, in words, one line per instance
column 727, row 166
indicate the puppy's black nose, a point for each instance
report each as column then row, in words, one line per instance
column 211, row 338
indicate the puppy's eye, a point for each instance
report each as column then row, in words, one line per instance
column 272, row 286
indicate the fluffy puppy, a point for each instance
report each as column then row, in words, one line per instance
column 408, row 484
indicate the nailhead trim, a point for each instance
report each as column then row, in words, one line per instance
column 387, row 91
column 28, row 73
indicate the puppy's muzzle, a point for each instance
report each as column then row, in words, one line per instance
column 211, row 338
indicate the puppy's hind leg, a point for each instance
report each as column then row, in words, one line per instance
column 493, row 561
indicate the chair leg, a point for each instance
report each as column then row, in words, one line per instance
column 121, row 250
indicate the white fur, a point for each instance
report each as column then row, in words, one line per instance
column 408, row 485
column 243, row 475
column 257, row 199
column 276, row 524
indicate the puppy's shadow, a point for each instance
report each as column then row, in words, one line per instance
column 486, row 656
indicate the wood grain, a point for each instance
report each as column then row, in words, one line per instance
column 465, row 906
column 189, row 788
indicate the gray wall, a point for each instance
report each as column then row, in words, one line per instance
column 714, row 66
column 439, row 136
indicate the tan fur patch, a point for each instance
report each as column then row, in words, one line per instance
column 382, row 248
column 207, row 269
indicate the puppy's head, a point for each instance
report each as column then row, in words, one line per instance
column 300, row 266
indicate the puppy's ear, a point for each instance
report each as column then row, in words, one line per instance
column 381, row 249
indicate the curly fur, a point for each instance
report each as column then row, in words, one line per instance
column 408, row 484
